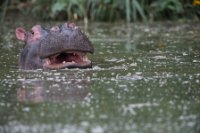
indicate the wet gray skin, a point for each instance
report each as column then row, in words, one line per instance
column 144, row 79
column 60, row 47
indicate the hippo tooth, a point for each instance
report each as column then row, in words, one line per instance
column 85, row 58
column 64, row 62
column 48, row 62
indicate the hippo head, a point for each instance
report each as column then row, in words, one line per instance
column 64, row 46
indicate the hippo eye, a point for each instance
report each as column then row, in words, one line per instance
column 32, row 32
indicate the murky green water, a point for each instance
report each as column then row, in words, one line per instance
column 145, row 79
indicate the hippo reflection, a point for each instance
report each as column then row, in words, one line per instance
column 51, row 91
column 64, row 46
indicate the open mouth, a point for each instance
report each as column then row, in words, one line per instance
column 72, row 59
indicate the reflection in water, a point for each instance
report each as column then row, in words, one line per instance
column 36, row 91
column 41, row 103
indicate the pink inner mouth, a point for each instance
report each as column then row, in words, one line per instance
column 67, row 60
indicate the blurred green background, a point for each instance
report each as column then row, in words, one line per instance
column 102, row 10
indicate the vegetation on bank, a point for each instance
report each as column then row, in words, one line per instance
column 103, row 10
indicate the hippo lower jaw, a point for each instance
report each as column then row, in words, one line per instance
column 68, row 59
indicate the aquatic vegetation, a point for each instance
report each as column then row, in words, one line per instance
column 166, row 8
column 103, row 10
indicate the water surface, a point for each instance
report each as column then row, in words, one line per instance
column 145, row 79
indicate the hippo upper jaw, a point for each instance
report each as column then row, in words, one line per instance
column 66, row 48
column 67, row 59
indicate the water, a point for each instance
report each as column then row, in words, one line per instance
column 145, row 79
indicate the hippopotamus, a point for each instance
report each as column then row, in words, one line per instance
column 64, row 46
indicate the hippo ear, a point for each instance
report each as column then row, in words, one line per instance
column 20, row 34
